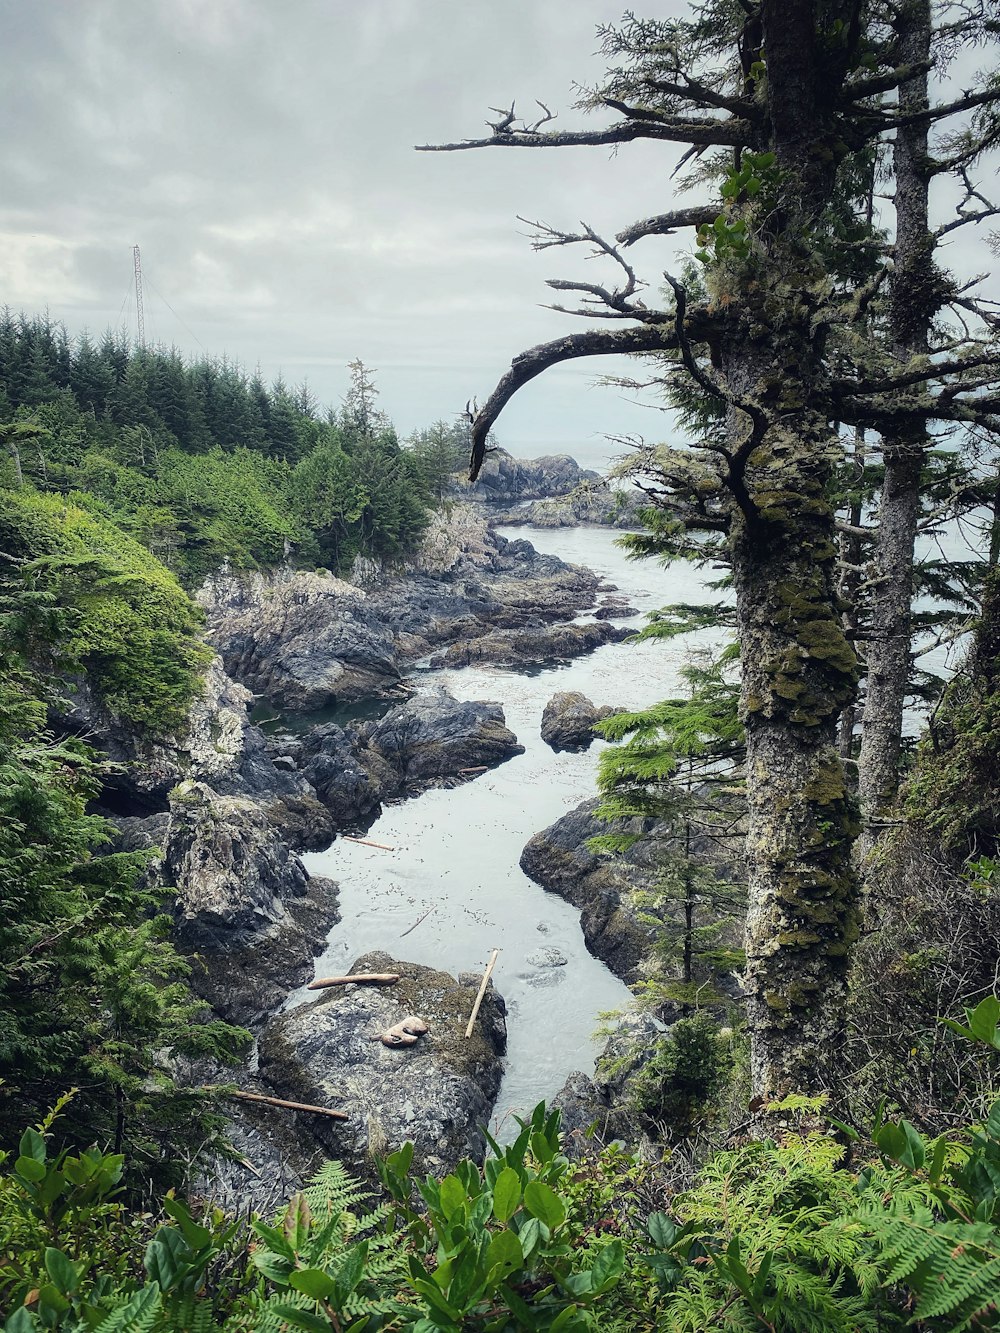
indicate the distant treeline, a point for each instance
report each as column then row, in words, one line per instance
column 203, row 462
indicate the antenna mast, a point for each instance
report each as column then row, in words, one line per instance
column 139, row 320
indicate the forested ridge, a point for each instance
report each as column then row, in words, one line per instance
column 807, row 1135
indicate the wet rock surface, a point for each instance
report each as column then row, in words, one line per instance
column 306, row 641
column 559, row 860
column 435, row 1092
column 568, row 720
column 432, row 738
column 534, row 646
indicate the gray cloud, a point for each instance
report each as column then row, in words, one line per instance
column 262, row 156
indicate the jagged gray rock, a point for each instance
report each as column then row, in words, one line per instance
column 435, row 1093
column 568, row 720
column 245, row 903
column 559, row 860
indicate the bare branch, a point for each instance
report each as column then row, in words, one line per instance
column 664, row 224
column 696, row 130
column 529, row 364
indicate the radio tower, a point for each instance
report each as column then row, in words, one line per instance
column 139, row 321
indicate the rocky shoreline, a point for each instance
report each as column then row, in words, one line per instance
column 229, row 810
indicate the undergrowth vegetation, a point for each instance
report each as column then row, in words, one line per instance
column 818, row 1228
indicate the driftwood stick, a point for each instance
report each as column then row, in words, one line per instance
column 367, row 842
column 480, row 768
column 482, row 991
column 358, row 979
column 418, row 921
column 289, row 1106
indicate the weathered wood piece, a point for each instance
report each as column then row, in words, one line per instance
column 367, row 842
column 482, row 991
column 289, row 1106
column 358, row 979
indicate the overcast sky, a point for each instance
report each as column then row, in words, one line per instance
column 261, row 154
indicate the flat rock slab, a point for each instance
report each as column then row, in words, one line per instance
column 437, row 1092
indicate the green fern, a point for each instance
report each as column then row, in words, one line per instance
column 953, row 1267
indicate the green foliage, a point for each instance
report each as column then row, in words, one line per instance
column 678, row 1086
column 126, row 621
column 500, row 1239
column 92, row 991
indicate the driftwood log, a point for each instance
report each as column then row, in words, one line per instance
column 289, row 1106
column 367, row 842
column 358, row 979
column 482, row 991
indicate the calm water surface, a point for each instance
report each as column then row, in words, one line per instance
column 455, row 853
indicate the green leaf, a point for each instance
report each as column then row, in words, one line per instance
column 503, row 1256
column 609, row 1266
column 531, row 1235
column 32, row 1145
column 291, row 1314
column 21, row 1321
column 352, row 1269
column 662, row 1230
column 277, row 1240
column 30, row 1168
column 902, row 1143
column 196, row 1235
column 312, row 1282
column 543, row 1203
column 452, row 1196
column 506, row 1194
column 61, row 1270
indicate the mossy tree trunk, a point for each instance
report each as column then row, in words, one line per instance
column 916, row 299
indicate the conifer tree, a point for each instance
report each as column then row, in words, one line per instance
column 779, row 96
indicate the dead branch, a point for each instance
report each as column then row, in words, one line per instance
column 288, row 1106
column 531, row 363
column 482, row 991
column 358, row 979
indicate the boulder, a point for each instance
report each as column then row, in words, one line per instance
column 245, row 903
column 568, row 720
column 615, row 608
column 533, row 646
column 505, row 479
column 436, row 1092
column 435, row 736
column 600, row 887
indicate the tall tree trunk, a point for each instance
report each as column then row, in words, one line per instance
column 916, row 297
column 799, row 671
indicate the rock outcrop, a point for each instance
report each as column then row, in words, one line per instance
column 590, row 504
column 307, row 641
column 302, row 640
column 219, row 748
column 435, row 736
column 430, row 739
column 505, row 480
column 568, row 720
column 436, row 1092
column 246, row 906
column 559, row 860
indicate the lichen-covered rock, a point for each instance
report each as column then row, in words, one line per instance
column 303, row 640
column 245, row 903
column 568, row 720
column 436, row 1092
column 593, row 504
